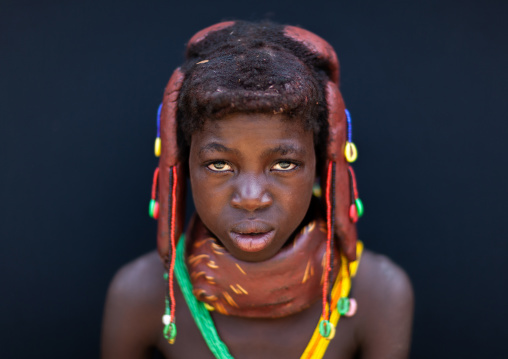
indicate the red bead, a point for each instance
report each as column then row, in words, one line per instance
column 156, row 210
column 353, row 213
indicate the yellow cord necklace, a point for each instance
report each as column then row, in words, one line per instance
column 317, row 345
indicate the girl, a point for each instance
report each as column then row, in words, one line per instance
column 269, row 267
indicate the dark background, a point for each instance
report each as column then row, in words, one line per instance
column 426, row 83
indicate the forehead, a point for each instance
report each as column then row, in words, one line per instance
column 253, row 129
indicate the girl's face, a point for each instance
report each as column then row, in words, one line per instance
column 251, row 177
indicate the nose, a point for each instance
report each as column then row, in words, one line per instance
column 251, row 194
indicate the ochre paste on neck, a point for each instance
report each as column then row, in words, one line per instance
column 282, row 285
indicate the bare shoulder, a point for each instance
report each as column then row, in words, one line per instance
column 385, row 307
column 138, row 278
column 381, row 277
column 134, row 303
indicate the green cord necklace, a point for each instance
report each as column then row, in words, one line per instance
column 200, row 314
column 316, row 347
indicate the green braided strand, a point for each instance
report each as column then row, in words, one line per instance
column 200, row 314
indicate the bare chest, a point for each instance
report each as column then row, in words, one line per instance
column 258, row 338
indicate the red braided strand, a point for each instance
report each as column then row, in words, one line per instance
column 355, row 190
column 328, row 240
column 154, row 183
column 173, row 246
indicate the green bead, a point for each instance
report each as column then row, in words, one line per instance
column 170, row 332
column 166, row 276
column 343, row 305
column 325, row 328
column 151, row 207
column 359, row 207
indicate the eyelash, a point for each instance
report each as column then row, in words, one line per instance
column 292, row 166
column 211, row 166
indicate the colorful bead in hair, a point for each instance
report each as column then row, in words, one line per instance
column 356, row 207
column 350, row 150
column 157, row 146
column 153, row 208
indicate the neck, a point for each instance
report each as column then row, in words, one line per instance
column 282, row 285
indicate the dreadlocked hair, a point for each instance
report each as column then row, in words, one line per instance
column 252, row 68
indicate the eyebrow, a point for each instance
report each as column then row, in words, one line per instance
column 280, row 150
column 285, row 150
column 216, row 147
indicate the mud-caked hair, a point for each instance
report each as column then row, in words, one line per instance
column 252, row 68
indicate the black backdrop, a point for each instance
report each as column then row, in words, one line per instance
column 426, row 83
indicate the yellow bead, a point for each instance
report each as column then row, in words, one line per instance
column 332, row 332
column 157, row 147
column 350, row 152
column 209, row 307
column 316, row 190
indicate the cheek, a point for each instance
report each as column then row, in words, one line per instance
column 201, row 194
column 295, row 194
column 209, row 197
column 295, row 197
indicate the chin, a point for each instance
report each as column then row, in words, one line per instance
column 253, row 256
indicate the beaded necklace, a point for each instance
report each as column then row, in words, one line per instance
column 323, row 333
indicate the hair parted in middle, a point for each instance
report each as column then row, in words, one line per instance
column 251, row 68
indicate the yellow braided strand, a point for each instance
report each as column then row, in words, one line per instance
column 343, row 282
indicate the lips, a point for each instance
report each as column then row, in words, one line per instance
column 252, row 236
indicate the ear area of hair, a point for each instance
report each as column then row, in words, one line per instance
column 336, row 122
column 168, row 126
column 168, row 160
column 344, row 229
